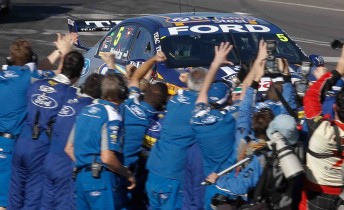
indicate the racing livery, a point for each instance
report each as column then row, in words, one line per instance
column 188, row 40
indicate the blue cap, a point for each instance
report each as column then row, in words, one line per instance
column 286, row 125
column 219, row 93
column 316, row 60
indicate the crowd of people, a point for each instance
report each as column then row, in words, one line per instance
column 120, row 142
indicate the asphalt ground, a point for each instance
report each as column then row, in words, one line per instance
column 313, row 24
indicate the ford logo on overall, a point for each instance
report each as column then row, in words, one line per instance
column 66, row 111
column 43, row 101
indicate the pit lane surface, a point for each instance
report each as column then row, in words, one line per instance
column 312, row 23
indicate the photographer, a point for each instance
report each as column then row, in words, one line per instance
column 267, row 181
column 323, row 181
column 284, row 88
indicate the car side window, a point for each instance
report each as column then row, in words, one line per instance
column 143, row 47
column 118, row 42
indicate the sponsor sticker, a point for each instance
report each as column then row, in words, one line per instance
column 225, row 28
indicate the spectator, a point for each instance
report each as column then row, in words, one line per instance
column 167, row 160
column 58, row 192
column 95, row 145
column 324, row 159
column 46, row 98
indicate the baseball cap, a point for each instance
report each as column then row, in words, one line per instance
column 219, row 93
column 317, row 61
column 286, row 125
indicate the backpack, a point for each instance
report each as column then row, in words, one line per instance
column 273, row 190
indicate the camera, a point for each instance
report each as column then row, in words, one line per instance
column 302, row 85
column 337, row 44
column 271, row 65
column 289, row 162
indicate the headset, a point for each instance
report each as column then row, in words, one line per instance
column 123, row 87
column 34, row 59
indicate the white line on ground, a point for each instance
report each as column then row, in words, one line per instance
column 310, row 41
column 303, row 5
column 331, row 59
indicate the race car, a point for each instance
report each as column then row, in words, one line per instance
column 188, row 40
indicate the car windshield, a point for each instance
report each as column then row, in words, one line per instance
column 198, row 49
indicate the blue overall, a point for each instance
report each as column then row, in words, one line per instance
column 167, row 160
column 215, row 133
column 137, row 117
column 45, row 99
column 14, row 83
column 97, row 128
column 193, row 192
column 58, row 192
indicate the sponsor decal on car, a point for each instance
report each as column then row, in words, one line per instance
column 225, row 28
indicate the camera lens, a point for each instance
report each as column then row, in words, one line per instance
column 337, row 44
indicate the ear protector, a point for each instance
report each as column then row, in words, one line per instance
column 34, row 59
column 123, row 88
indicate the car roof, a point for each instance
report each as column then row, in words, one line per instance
column 176, row 19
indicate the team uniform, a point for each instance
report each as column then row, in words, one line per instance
column 215, row 133
column 97, row 128
column 14, row 83
column 45, row 99
column 137, row 115
column 193, row 192
column 167, row 159
column 58, row 192
column 153, row 133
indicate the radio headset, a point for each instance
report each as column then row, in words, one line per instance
column 34, row 59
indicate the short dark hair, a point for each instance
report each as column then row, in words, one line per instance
column 92, row 85
column 156, row 95
column 114, row 88
column 73, row 62
column 271, row 92
column 340, row 105
column 261, row 120
column 20, row 52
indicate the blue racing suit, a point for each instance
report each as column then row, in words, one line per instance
column 167, row 159
column 97, row 128
column 193, row 192
column 45, row 99
column 58, row 192
column 215, row 133
column 137, row 117
column 14, row 83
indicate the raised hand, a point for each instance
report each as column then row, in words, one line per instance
column 221, row 53
column 160, row 56
column 64, row 43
